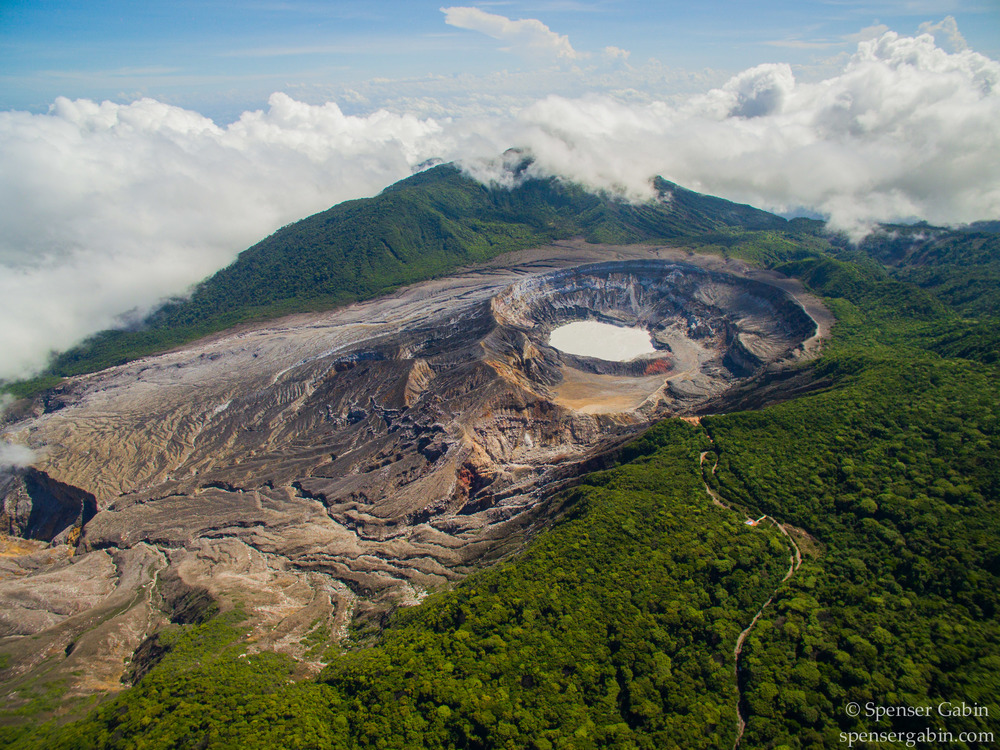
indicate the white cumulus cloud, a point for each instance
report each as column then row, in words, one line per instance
column 946, row 34
column 906, row 131
column 525, row 35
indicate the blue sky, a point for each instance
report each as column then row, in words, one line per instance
column 223, row 57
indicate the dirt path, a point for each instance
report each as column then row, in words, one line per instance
column 794, row 561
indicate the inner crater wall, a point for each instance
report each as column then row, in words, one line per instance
column 710, row 328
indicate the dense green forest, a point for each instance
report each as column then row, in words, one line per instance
column 616, row 627
column 961, row 268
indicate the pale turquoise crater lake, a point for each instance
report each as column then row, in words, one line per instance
column 589, row 338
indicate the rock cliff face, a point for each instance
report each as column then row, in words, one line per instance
column 35, row 506
column 331, row 466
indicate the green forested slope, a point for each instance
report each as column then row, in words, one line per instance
column 961, row 267
column 895, row 473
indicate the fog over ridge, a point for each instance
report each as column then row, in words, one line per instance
column 108, row 208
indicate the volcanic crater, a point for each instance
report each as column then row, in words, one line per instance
column 708, row 329
column 332, row 466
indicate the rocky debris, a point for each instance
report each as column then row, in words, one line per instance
column 36, row 598
column 418, row 381
column 335, row 466
column 35, row 506
column 77, row 622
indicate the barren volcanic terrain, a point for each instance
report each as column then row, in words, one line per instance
column 331, row 466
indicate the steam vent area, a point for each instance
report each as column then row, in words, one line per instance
column 325, row 468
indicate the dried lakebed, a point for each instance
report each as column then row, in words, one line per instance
column 326, row 467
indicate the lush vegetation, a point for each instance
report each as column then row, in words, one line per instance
column 616, row 627
column 961, row 268
column 894, row 473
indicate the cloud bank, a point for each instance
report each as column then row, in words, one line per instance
column 907, row 131
column 107, row 208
